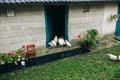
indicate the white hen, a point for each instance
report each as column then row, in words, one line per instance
column 112, row 57
column 60, row 41
column 56, row 38
column 63, row 41
column 67, row 43
column 52, row 43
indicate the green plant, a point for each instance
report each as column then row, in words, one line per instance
column 90, row 41
column 9, row 58
column 4, row 57
column 19, row 51
column 115, row 16
column 17, row 55
column 92, row 33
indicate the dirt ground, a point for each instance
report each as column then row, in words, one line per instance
column 109, row 41
column 105, row 42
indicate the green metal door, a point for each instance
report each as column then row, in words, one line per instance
column 56, row 19
column 66, row 22
column 49, row 25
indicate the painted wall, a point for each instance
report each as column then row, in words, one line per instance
column 28, row 24
column 26, row 27
column 109, row 26
column 98, row 17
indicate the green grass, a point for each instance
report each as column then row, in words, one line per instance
column 91, row 66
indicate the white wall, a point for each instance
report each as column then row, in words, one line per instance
column 26, row 27
column 79, row 21
column 98, row 18
column 109, row 26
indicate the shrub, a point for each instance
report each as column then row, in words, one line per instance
column 90, row 41
column 3, row 57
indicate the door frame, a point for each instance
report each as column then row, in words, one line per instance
column 46, row 23
column 118, row 26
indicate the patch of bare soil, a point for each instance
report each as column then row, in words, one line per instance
column 109, row 41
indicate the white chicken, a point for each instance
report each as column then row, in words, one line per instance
column 60, row 42
column 119, row 57
column 56, row 38
column 52, row 43
column 112, row 57
column 67, row 43
column 63, row 41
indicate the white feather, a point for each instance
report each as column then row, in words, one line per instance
column 68, row 44
column 52, row 43
column 60, row 42
column 112, row 57
column 63, row 41
column 55, row 38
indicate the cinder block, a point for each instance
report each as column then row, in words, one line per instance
column 9, row 20
column 0, row 21
column 14, row 27
column 3, row 28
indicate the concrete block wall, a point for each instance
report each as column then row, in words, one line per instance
column 109, row 26
column 26, row 27
column 28, row 24
column 97, row 17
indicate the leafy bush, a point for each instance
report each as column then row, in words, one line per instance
column 91, row 34
column 9, row 58
column 90, row 41
column 3, row 57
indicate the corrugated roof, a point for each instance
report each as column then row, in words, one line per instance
column 29, row 1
